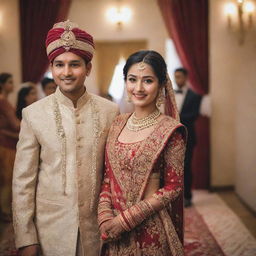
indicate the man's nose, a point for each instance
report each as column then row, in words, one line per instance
column 67, row 71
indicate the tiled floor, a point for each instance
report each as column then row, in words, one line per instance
column 246, row 215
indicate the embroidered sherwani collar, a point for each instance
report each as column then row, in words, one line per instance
column 62, row 99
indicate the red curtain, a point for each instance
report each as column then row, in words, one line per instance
column 187, row 24
column 36, row 18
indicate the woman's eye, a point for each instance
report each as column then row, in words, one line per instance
column 148, row 81
column 132, row 80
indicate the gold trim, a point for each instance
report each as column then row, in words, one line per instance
column 63, row 141
column 97, row 133
column 67, row 25
column 174, row 242
column 68, row 44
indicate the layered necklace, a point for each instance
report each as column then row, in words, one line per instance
column 137, row 124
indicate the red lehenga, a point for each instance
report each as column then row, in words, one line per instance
column 130, row 170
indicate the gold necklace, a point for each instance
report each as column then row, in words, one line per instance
column 136, row 124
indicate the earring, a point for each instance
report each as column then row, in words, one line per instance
column 160, row 98
column 128, row 98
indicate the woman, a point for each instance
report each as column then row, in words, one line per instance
column 141, row 207
column 26, row 96
column 9, row 128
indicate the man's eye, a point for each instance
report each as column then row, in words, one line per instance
column 58, row 65
column 74, row 65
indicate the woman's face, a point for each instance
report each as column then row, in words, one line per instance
column 8, row 86
column 31, row 97
column 142, row 85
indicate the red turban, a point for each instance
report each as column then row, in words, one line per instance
column 66, row 36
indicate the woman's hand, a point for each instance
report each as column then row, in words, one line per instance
column 111, row 230
column 104, row 226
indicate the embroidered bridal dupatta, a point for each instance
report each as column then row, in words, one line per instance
column 160, row 156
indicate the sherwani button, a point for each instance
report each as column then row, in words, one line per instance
column 78, row 121
column 79, row 138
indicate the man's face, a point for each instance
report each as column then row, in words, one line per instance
column 180, row 78
column 69, row 71
column 50, row 88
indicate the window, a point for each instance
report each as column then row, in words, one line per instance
column 172, row 60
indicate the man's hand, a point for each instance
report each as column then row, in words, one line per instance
column 31, row 250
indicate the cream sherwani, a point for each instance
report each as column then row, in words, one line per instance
column 58, row 171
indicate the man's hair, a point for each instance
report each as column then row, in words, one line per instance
column 46, row 81
column 182, row 70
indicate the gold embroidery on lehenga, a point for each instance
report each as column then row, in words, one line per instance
column 172, row 157
column 145, row 155
column 147, row 152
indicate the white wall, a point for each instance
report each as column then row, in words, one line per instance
column 10, row 42
column 146, row 23
column 233, row 90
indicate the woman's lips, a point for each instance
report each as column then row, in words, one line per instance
column 139, row 96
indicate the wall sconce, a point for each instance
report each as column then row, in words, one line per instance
column 240, row 12
column 119, row 15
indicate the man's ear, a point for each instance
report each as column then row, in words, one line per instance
column 88, row 68
column 51, row 65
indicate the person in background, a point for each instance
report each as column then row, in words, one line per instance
column 26, row 96
column 9, row 128
column 188, row 103
column 141, row 202
column 49, row 86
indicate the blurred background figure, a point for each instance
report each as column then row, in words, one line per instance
column 188, row 103
column 9, row 129
column 48, row 86
column 26, row 96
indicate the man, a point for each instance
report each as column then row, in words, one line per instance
column 60, row 154
column 188, row 103
column 48, row 86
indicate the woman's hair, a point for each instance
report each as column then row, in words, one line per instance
column 46, row 81
column 3, row 78
column 152, row 58
column 21, row 101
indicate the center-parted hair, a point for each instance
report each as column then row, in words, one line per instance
column 152, row 58
column 21, row 100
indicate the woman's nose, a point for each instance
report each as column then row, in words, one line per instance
column 139, row 86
